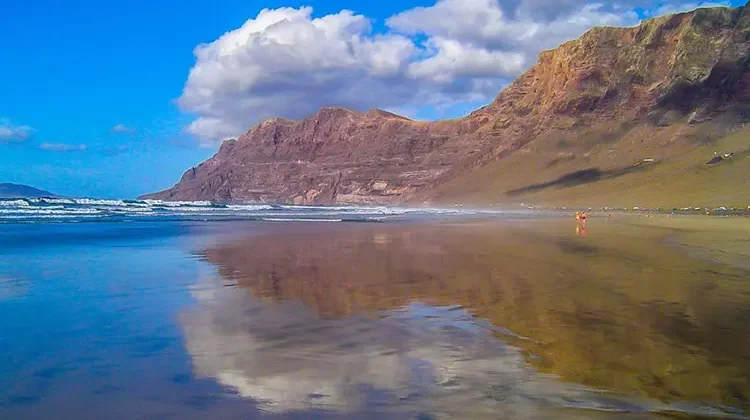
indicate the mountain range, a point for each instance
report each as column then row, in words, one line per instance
column 653, row 115
column 8, row 190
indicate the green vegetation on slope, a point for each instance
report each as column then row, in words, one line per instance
column 617, row 165
column 626, row 118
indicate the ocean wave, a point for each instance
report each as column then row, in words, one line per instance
column 14, row 203
column 136, row 203
column 56, row 216
column 190, row 209
column 42, row 210
column 54, row 201
column 158, row 210
column 130, row 209
column 249, row 207
column 179, row 203
column 95, row 202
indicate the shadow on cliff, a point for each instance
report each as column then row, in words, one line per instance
column 573, row 179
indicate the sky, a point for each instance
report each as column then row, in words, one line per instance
column 114, row 99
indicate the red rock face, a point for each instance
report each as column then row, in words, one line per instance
column 337, row 155
column 674, row 64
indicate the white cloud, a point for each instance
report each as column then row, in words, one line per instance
column 286, row 62
column 684, row 7
column 122, row 128
column 62, row 147
column 13, row 133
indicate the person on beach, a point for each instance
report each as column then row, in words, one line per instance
column 581, row 223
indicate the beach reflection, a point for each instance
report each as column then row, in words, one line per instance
column 418, row 316
column 420, row 359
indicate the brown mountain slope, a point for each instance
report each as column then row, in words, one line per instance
column 576, row 128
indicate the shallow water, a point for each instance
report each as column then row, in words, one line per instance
column 73, row 210
column 503, row 318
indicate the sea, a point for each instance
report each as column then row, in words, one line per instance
column 148, row 309
column 75, row 210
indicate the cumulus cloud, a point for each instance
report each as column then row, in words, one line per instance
column 121, row 128
column 62, row 147
column 13, row 133
column 477, row 38
column 288, row 63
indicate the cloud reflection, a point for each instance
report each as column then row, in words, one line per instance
column 420, row 358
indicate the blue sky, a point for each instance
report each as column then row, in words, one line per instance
column 96, row 98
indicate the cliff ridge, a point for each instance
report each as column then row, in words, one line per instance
column 673, row 83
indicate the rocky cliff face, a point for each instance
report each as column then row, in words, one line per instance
column 337, row 155
column 690, row 68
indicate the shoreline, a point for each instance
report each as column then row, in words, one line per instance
column 683, row 211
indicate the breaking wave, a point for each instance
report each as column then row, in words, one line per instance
column 70, row 209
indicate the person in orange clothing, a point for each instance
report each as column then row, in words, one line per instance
column 581, row 223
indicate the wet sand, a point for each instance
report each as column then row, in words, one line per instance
column 629, row 306
column 524, row 316
column 722, row 239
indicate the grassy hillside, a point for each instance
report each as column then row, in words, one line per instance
column 625, row 118
column 610, row 166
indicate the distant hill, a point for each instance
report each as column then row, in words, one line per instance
column 656, row 115
column 22, row 191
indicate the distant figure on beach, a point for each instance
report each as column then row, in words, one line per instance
column 581, row 223
column 581, row 218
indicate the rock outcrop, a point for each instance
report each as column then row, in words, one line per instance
column 689, row 68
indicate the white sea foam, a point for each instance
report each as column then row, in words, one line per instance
column 178, row 203
column 131, row 209
column 54, row 200
column 14, row 203
column 137, row 204
column 194, row 209
column 198, row 210
column 54, row 217
column 42, row 210
column 249, row 207
column 94, row 202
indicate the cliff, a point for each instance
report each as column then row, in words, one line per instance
column 614, row 109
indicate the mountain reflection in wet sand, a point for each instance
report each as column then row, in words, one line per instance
column 617, row 310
